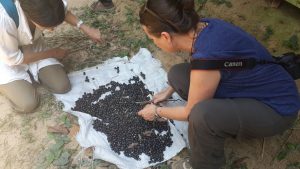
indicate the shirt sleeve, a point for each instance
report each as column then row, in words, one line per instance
column 10, row 53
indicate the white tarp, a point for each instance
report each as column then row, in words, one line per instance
column 156, row 80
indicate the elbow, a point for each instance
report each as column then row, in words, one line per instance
column 13, row 62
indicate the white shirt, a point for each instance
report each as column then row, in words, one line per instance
column 11, row 40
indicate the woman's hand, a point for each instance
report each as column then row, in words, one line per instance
column 163, row 95
column 92, row 33
column 148, row 112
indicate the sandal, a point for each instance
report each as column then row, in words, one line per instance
column 98, row 6
column 182, row 164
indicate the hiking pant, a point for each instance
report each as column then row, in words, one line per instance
column 22, row 94
column 212, row 121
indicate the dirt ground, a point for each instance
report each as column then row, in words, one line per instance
column 29, row 141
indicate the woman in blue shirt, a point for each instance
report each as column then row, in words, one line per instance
column 250, row 103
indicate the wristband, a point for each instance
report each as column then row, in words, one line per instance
column 156, row 114
column 79, row 23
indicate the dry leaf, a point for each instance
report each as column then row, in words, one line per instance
column 132, row 145
column 147, row 133
column 60, row 129
column 74, row 130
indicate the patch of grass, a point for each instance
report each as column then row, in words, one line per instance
column 141, row 2
column 88, row 15
column 161, row 166
column 100, row 24
column 295, row 165
column 48, row 106
column 55, row 153
column 201, row 2
column 235, row 162
column 221, row 2
column 133, row 44
column 268, row 33
column 26, row 128
column 292, row 42
column 65, row 120
column 287, row 149
column 131, row 17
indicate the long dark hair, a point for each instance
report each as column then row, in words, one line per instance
column 46, row 13
column 177, row 16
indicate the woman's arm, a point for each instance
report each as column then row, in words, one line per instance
column 163, row 95
column 92, row 33
column 203, row 85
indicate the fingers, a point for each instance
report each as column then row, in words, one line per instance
column 155, row 101
column 96, row 35
column 147, row 113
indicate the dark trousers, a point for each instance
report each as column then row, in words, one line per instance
column 212, row 121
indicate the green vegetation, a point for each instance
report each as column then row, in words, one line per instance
column 234, row 162
column 221, row 2
column 292, row 43
column 295, row 165
column 268, row 33
column 287, row 149
column 55, row 154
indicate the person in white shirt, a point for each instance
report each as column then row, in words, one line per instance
column 24, row 57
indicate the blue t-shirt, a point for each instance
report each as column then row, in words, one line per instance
column 268, row 83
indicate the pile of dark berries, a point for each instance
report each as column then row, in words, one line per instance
column 117, row 118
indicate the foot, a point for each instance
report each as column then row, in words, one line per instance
column 182, row 164
column 98, row 6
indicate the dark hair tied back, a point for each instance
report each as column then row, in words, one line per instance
column 177, row 16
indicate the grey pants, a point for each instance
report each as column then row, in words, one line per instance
column 214, row 120
column 22, row 94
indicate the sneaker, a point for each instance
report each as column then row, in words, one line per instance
column 98, row 6
column 182, row 164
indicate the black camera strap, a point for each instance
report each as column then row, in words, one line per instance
column 230, row 64
column 289, row 61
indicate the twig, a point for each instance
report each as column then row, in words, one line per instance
column 263, row 148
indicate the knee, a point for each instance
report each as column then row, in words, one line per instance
column 28, row 106
column 200, row 115
column 61, row 87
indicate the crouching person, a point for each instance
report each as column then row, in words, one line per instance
column 24, row 57
column 250, row 103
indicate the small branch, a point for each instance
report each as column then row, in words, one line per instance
column 263, row 148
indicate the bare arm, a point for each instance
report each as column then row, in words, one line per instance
column 163, row 95
column 92, row 33
column 203, row 85
column 30, row 56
